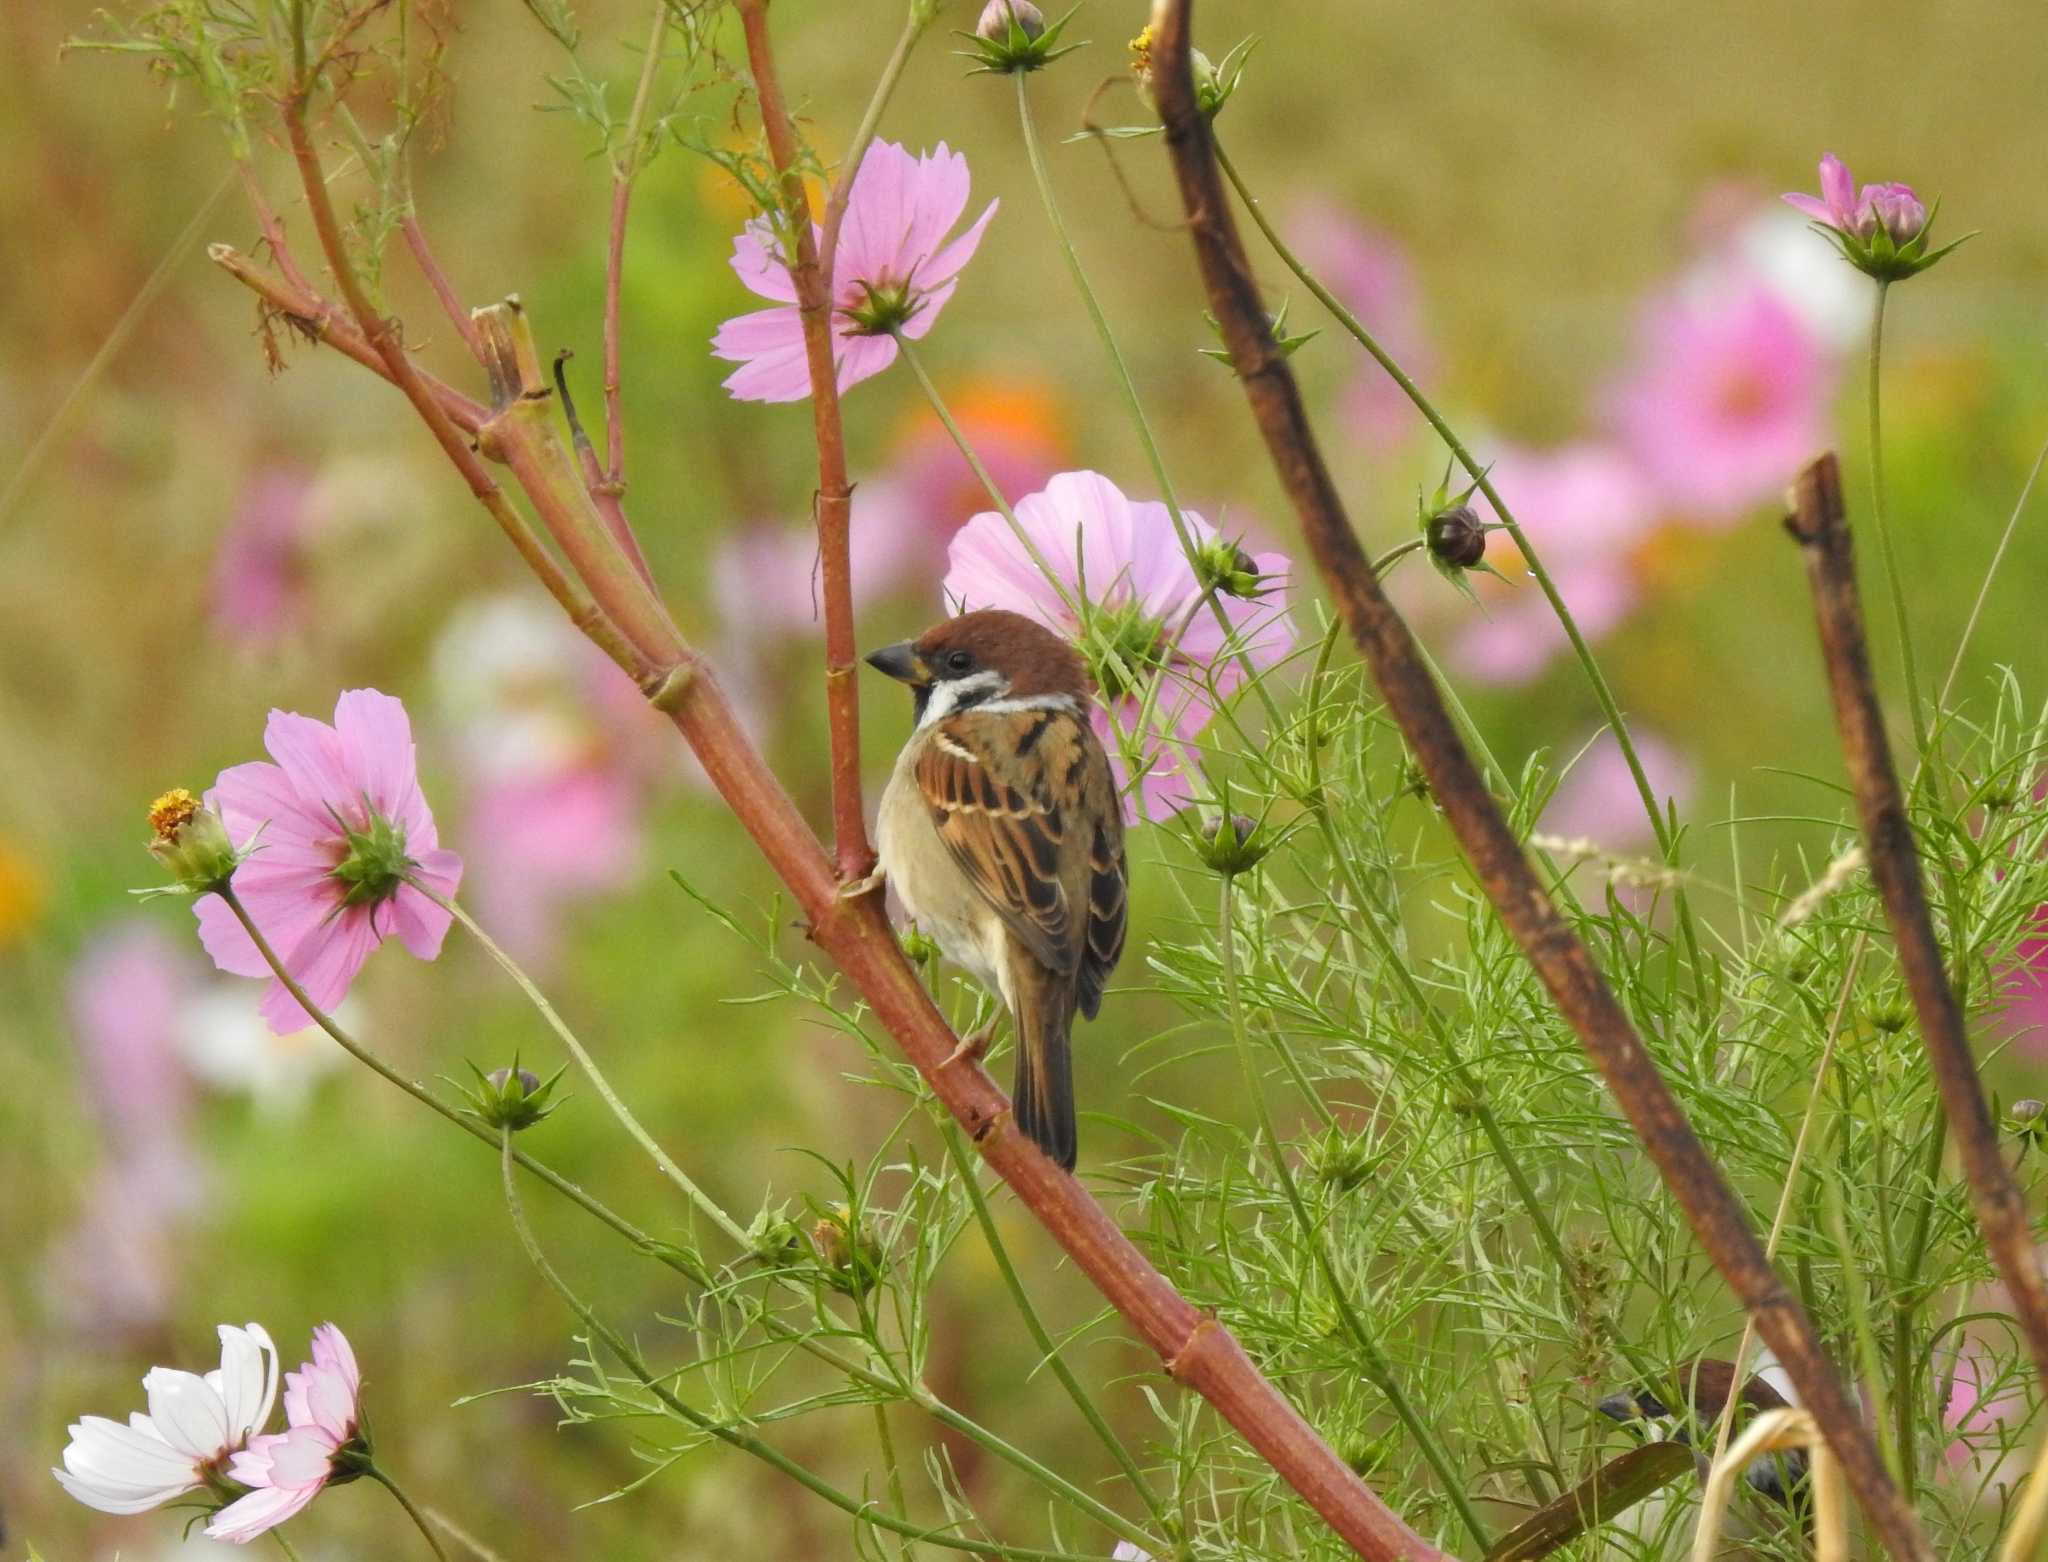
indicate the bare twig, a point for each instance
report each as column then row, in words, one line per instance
column 437, row 279
column 1821, row 526
column 1559, row 957
column 834, row 499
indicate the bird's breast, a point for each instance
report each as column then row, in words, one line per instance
column 934, row 889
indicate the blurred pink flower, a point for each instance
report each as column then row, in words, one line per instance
column 893, row 268
column 1371, row 275
column 193, row 1423
column 1585, row 507
column 1727, row 397
column 259, row 569
column 556, row 836
column 127, row 986
column 768, row 574
column 1597, row 799
column 1860, row 213
column 1017, row 429
column 2023, row 988
column 1144, row 599
column 1982, row 1415
column 114, row 1271
column 342, row 823
column 286, row 1470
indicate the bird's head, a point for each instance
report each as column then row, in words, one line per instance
column 1706, row 1385
column 983, row 657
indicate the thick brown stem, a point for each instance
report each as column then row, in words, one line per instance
column 1821, row 526
column 834, row 500
column 1557, row 954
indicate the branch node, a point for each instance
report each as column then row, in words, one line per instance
column 1196, row 1345
column 666, row 690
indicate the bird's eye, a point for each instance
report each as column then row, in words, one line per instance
column 959, row 661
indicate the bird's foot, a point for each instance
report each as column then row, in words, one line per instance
column 853, row 889
column 972, row 1046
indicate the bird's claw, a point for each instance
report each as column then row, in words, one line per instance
column 972, row 1047
column 853, row 889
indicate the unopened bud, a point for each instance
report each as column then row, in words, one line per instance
column 999, row 17
column 1456, row 537
column 849, row 1256
column 1013, row 36
column 514, row 1098
column 1235, row 843
column 2027, row 1120
column 191, row 842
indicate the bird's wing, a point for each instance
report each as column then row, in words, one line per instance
column 1107, row 876
column 993, row 783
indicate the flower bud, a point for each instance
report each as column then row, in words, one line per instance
column 1456, row 537
column 1000, row 17
column 847, row 1252
column 1896, row 209
column 1235, row 843
column 2027, row 1120
column 191, row 842
column 1223, row 565
column 514, row 1097
column 1013, row 36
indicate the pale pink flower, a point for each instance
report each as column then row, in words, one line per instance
column 1597, row 800
column 1584, row 507
column 286, row 1470
column 194, row 1425
column 114, row 1272
column 555, row 837
column 1728, row 396
column 1860, row 213
column 767, row 575
column 126, row 988
column 2023, row 989
column 1121, row 558
column 1983, row 1409
column 1372, row 277
column 260, row 566
column 338, row 823
column 894, row 267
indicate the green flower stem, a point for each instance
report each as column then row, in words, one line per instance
column 708, row 1206
column 1799, row 1143
column 863, row 1510
column 1997, row 558
column 1374, row 1362
column 895, row 1474
column 284, row 1545
column 1129, row 386
column 919, row 19
column 1049, row 1352
column 468, row 1124
column 382, row 1479
column 1883, row 525
column 1611, row 711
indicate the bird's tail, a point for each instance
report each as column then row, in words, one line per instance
column 1044, row 1098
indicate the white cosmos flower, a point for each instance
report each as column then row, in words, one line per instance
column 193, row 1424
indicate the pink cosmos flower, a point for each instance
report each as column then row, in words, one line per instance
column 893, row 269
column 1728, row 395
column 1860, row 213
column 259, row 571
column 286, row 1470
column 1121, row 558
column 194, row 1424
column 2023, row 987
column 1983, row 1408
column 1370, row 272
column 339, row 823
column 1585, row 507
column 1597, row 799
column 127, row 987
column 769, row 572
column 590, row 844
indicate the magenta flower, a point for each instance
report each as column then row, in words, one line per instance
column 339, row 825
column 1586, row 508
column 1729, row 394
column 894, row 271
column 323, row 1444
column 2023, row 991
column 1881, row 229
column 1120, row 560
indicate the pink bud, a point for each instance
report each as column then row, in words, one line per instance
column 1895, row 208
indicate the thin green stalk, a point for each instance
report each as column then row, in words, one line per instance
column 1048, row 1351
column 1377, row 1368
column 2005, row 537
column 1860, row 1329
column 1129, row 386
column 418, row 1518
column 284, row 1545
column 675, row 1174
column 1603, row 694
column 919, row 19
column 467, row 1123
column 1878, row 515
column 1906, row 1305
column 895, row 1474
column 863, row 1510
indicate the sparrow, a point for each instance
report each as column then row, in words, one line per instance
column 1708, row 1382
column 1003, row 835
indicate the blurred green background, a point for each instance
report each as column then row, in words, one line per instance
column 1545, row 166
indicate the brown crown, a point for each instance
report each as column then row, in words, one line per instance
column 1033, row 658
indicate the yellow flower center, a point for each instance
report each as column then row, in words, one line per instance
column 1141, row 54
column 172, row 812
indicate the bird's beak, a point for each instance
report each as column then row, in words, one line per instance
column 901, row 662
column 1620, row 1407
